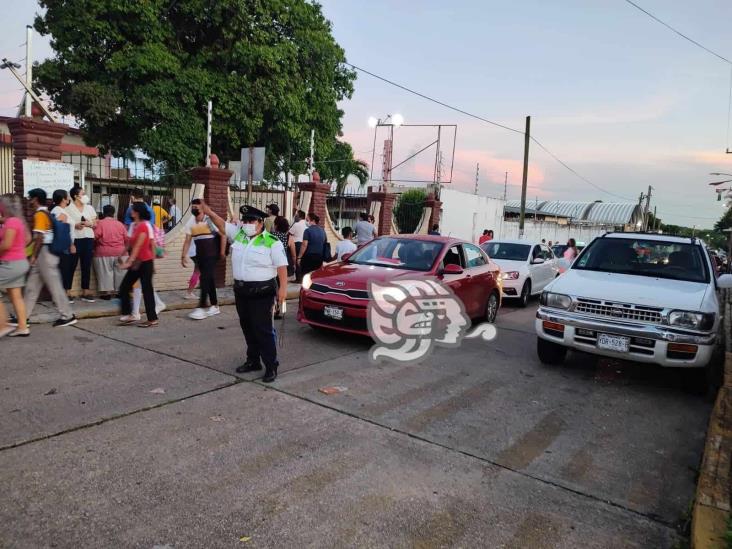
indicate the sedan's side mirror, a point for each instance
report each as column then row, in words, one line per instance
column 345, row 257
column 724, row 281
column 537, row 261
column 452, row 269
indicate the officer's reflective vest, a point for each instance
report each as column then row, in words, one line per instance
column 262, row 239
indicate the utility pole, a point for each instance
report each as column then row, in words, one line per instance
column 505, row 186
column 524, row 179
column 645, row 210
column 477, row 173
column 655, row 220
column 311, row 164
column 28, row 68
column 208, row 134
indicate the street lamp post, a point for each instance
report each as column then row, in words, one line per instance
column 396, row 121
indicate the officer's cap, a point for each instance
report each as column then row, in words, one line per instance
column 251, row 213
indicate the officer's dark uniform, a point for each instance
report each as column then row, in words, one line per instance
column 254, row 263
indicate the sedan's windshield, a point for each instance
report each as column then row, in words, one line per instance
column 399, row 253
column 636, row 256
column 507, row 251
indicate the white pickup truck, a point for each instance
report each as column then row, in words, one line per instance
column 644, row 297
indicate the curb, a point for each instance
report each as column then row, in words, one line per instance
column 712, row 504
column 47, row 318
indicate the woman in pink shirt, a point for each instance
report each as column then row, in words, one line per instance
column 14, row 236
column 111, row 245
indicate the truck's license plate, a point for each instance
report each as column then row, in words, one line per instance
column 613, row 343
column 336, row 313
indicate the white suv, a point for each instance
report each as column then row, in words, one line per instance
column 643, row 297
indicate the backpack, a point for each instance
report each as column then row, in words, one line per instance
column 158, row 239
column 61, row 242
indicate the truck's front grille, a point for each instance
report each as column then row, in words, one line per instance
column 620, row 311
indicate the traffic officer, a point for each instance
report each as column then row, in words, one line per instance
column 259, row 264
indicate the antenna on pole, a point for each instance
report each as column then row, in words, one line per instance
column 477, row 173
column 27, row 99
column 208, row 134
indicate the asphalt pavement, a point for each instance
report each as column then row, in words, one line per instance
column 127, row 437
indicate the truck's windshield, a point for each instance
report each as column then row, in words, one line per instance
column 636, row 256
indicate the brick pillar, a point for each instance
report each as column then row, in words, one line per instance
column 34, row 139
column 216, row 194
column 383, row 223
column 318, row 199
column 436, row 205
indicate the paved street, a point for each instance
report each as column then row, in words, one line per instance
column 117, row 437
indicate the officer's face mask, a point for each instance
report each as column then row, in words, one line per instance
column 250, row 229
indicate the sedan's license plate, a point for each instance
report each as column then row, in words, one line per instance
column 336, row 313
column 613, row 343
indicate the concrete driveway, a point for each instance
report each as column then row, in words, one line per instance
column 122, row 437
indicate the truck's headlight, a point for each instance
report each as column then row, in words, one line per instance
column 557, row 301
column 688, row 319
column 510, row 275
column 306, row 282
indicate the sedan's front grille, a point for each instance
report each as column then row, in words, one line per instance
column 353, row 294
column 619, row 311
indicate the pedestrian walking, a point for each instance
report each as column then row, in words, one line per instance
column 137, row 196
column 14, row 237
column 281, row 231
column 571, row 252
column 273, row 210
column 485, row 237
column 210, row 246
column 140, row 266
column 110, row 246
column 345, row 246
column 195, row 275
column 161, row 215
column 83, row 219
column 365, row 230
column 175, row 214
column 312, row 251
column 61, row 200
column 44, row 265
column 259, row 266
column 297, row 231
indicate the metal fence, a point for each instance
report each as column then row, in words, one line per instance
column 260, row 196
column 344, row 209
column 109, row 180
column 6, row 168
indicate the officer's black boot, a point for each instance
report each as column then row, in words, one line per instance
column 270, row 374
column 249, row 366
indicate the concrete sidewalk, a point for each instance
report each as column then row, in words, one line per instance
column 45, row 312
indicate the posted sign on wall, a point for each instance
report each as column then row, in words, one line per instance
column 49, row 176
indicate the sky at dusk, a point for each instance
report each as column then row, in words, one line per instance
column 621, row 99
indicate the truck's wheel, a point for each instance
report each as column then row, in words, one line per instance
column 550, row 352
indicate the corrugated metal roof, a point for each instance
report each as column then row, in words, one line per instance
column 610, row 213
column 615, row 213
column 565, row 208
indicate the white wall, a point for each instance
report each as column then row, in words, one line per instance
column 551, row 231
column 467, row 215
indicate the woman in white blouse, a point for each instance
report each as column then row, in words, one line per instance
column 83, row 218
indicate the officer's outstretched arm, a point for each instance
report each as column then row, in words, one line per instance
column 217, row 220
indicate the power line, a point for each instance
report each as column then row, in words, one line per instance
column 681, row 34
column 437, row 101
column 477, row 117
column 579, row 175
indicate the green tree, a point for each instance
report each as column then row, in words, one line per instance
column 339, row 165
column 138, row 75
column 408, row 210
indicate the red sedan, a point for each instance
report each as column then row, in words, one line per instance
column 336, row 296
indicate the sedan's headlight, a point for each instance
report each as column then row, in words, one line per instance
column 556, row 301
column 306, row 282
column 688, row 319
column 510, row 275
